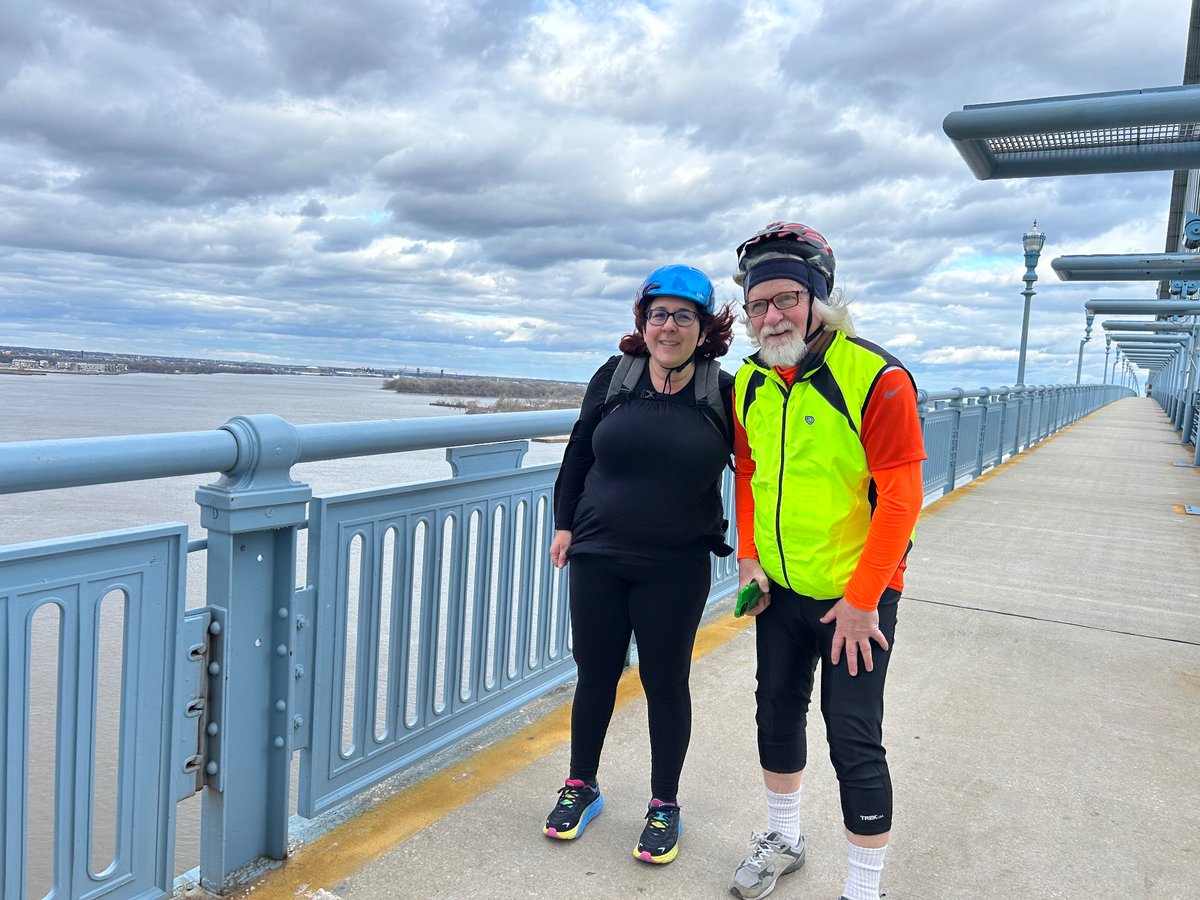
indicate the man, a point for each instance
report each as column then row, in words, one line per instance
column 828, row 449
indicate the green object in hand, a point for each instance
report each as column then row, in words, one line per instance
column 747, row 598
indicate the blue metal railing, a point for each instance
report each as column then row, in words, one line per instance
column 427, row 610
column 967, row 432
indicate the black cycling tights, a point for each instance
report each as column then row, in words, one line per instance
column 661, row 606
column 791, row 641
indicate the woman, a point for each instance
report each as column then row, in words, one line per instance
column 637, row 510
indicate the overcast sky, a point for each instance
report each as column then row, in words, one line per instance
column 481, row 186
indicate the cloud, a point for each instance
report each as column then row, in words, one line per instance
column 483, row 187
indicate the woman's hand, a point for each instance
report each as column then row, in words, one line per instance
column 750, row 570
column 559, row 547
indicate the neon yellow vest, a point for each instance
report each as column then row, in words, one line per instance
column 812, row 489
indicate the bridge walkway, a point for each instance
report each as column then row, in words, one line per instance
column 1041, row 720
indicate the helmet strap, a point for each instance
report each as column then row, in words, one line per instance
column 683, row 365
column 811, row 333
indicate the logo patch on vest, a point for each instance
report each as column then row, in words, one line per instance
column 808, row 420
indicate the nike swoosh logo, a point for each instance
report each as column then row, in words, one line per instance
column 891, row 393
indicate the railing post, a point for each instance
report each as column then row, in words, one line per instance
column 956, row 406
column 922, row 410
column 1019, row 392
column 1189, row 382
column 251, row 515
column 1027, row 404
column 984, row 411
column 1001, row 395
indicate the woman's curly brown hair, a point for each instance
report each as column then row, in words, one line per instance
column 717, row 329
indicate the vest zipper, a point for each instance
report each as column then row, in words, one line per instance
column 787, row 393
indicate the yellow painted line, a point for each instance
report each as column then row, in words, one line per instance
column 347, row 849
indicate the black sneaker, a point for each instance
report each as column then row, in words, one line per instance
column 578, row 803
column 660, row 838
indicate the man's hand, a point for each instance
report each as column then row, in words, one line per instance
column 750, row 570
column 559, row 547
column 854, row 631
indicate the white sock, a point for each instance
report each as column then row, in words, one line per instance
column 866, row 868
column 783, row 815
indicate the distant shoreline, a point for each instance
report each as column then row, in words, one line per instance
column 4, row 371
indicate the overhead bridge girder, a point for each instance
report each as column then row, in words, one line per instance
column 1145, row 307
column 1157, row 327
column 1127, row 267
column 1152, row 129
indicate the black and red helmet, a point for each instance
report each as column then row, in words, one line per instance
column 783, row 239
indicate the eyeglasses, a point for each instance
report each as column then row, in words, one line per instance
column 683, row 317
column 756, row 308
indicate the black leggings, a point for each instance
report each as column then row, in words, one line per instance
column 791, row 639
column 661, row 605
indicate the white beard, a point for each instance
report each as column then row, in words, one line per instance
column 783, row 351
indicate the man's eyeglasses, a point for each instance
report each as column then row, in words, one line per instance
column 756, row 308
column 683, row 317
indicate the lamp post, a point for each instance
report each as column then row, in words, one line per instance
column 1087, row 336
column 1032, row 241
column 1107, row 348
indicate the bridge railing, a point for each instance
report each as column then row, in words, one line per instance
column 968, row 432
column 425, row 612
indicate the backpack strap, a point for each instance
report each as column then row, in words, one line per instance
column 708, row 394
column 709, row 402
column 707, row 389
column 624, row 379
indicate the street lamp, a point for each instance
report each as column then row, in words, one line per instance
column 1107, row 348
column 1032, row 241
column 1087, row 336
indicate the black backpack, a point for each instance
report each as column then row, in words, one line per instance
column 708, row 391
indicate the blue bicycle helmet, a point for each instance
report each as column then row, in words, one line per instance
column 679, row 281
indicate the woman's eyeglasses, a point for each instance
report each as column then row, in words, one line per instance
column 756, row 308
column 683, row 317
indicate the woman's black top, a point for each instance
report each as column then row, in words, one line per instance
column 642, row 482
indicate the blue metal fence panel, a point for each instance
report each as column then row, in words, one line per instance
column 725, row 569
column 142, row 570
column 1012, row 419
column 991, row 446
column 437, row 611
column 970, row 428
column 938, row 429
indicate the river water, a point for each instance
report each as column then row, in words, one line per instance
column 61, row 406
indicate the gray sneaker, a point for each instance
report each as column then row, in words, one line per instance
column 770, row 856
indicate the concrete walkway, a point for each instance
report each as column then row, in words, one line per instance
column 1042, row 721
